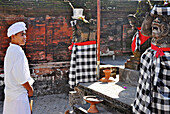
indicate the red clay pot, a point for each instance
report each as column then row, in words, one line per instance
column 107, row 73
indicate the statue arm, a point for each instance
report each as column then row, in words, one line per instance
column 146, row 28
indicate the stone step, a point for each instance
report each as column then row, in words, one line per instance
column 133, row 58
column 118, row 96
column 132, row 65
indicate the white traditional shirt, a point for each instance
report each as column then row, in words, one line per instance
column 16, row 72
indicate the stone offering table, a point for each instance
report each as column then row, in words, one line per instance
column 117, row 98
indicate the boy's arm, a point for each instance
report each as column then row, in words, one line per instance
column 28, row 88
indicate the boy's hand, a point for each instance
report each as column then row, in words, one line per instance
column 29, row 88
column 30, row 92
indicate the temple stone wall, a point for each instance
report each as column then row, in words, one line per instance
column 50, row 33
column 49, row 30
column 115, row 28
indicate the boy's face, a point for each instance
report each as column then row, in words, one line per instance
column 20, row 38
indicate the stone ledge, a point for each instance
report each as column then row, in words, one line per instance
column 116, row 98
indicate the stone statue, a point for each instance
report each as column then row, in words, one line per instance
column 135, row 20
column 152, row 95
column 84, row 31
column 136, row 26
column 83, row 56
column 158, row 27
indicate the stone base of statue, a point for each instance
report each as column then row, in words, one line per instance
column 133, row 63
column 129, row 76
column 130, row 73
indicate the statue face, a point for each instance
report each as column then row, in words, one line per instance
column 156, row 28
column 159, row 28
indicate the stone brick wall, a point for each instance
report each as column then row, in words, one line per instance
column 49, row 30
column 115, row 26
column 50, row 78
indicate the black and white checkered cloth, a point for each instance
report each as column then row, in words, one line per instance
column 153, row 91
column 83, row 64
column 160, row 10
column 138, row 42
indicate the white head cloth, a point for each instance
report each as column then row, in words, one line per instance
column 15, row 28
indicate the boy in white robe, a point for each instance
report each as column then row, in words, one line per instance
column 17, row 75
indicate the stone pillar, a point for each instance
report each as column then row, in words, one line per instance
column 76, row 97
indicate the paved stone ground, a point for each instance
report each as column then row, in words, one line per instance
column 59, row 103
column 49, row 104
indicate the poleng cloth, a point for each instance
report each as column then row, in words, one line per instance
column 83, row 63
column 153, row 92
column 160, row 10
column 138, row 39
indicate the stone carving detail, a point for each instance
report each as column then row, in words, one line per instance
column 84, row 31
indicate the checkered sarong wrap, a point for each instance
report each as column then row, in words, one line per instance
column 160, row 10
column 138, row 42
column 138, row 39
column 153, row 91
column 83, row 64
